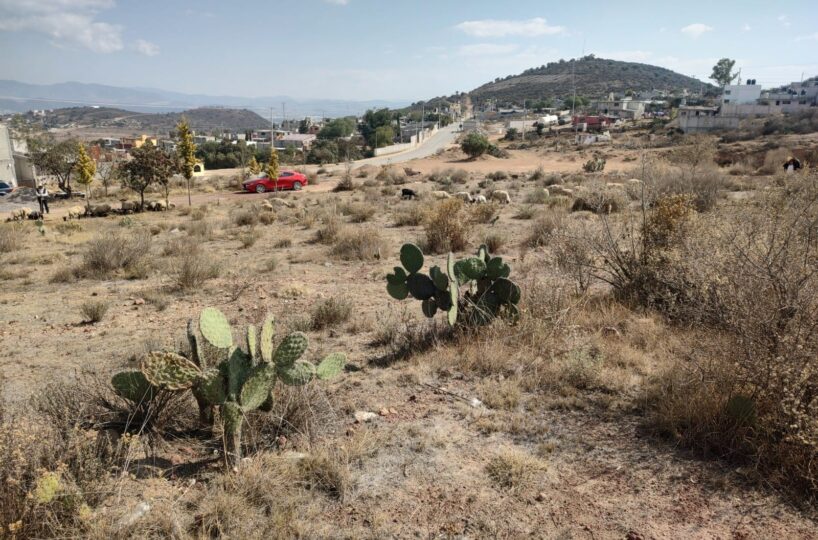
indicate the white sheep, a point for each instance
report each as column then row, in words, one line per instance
column 20, row 214
column 558, row 190
column 464, row 195
column 75, row 212
column 501, row 196
column 440, row 195
column 479, row 199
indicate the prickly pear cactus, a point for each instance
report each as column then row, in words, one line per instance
column 225, row 377
column 488, row 291
column 170, row 371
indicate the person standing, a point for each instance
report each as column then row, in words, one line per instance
column 42, row 198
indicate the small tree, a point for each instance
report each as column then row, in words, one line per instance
column 58, row 159
column 149, row 165
column 475, row 145
column 254, row 167
column 272, row 168
column 108, row 172
column 186, row 151
column 723, row 72
column 86, row 169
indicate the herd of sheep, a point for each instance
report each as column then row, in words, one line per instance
column 100, row 210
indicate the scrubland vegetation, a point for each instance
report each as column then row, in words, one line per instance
column 656, row 376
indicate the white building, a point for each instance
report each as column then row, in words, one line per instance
column 8, row 172
column 741, row 94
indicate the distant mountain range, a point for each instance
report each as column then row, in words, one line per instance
column 201, row 119
column 20, row 97
column 593, row 77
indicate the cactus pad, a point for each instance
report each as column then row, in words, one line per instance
column 297, row 374
column 195, row 351
column 495, row 268
column 331, row 366
column 215, row 328
column 211, row 387
column 290, row 349
column 266, row 341
column 474, row 267
column 420, row 286
column 397, row 291
column 237, row 370
column 251, row 341
column 398, row 277
column 506, row 290
column 439, row 278
column 257, row 387
column 169, row 371
column 133, row 386
column 231, row 416
column 451, row 313
column 411, row 258
column 429, row 307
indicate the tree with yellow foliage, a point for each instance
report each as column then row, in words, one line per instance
column 186, row 151
column 272, row 168
column 86, row 169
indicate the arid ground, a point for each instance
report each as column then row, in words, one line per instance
column 553, row 427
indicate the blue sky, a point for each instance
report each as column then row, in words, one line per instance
column 386, row 49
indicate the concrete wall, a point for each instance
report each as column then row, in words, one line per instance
column 745, row 111
column 414, row 142
column 704, row 123
column 26, row 171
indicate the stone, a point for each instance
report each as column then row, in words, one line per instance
column 364, row 416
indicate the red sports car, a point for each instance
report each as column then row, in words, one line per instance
column 286, row 180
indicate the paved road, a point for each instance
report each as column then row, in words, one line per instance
column 440, row 140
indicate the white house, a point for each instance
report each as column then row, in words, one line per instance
column 8, row 172
column 741, row 94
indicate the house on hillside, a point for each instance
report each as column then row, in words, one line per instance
column 626, row 107
column 299, row 141
column 129, row 143
column 592, row 123
column 696, row 119
column 741, row 94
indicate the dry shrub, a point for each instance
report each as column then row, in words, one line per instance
column 201, row 229
column 503, row 394
column 544, row 228
column 774, row 160
column 537, row 196
column 358, row 212
column 67, row 228
column 514, row 470
column 283, row 243
column 700, row 180
column 344, row 184
column 526, row 212
column 411, row 217
column 116, row 252
column 248, row 238
column 93, row 311
column 65, row 274
column 298, row 413
column 245, row 218
column 330, row 312
column 495, row 242
column 446, row 227
column 192, row 267
column 266, row 218
column 359, row 244
column 484, row 213
column 328, row 232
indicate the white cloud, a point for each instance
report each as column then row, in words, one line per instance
column 695, row 30
column 484, row 49
column 498, row 28
column 146, row 47
column 337, row 2
column 65, row 21
column 784, row 20
column 746, row 27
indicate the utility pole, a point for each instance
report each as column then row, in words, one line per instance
column 525, row 117
column 283, row 113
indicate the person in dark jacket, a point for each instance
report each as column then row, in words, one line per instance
column 792, row 165
column 42, row 198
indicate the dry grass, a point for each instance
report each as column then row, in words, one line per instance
column 544, row 228
column 409, row 217
column 330, row 312
column 358, row 212
column 192, row 267
column 328, row 232
column 484, row 213
column 359, row 244
column 495, row 242
column 117, row 252
column 93, row 311
column 514, row 470
column 446, row 227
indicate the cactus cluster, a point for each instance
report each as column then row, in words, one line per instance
column 222, row 375
column 594, row 165
column 488, row 291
